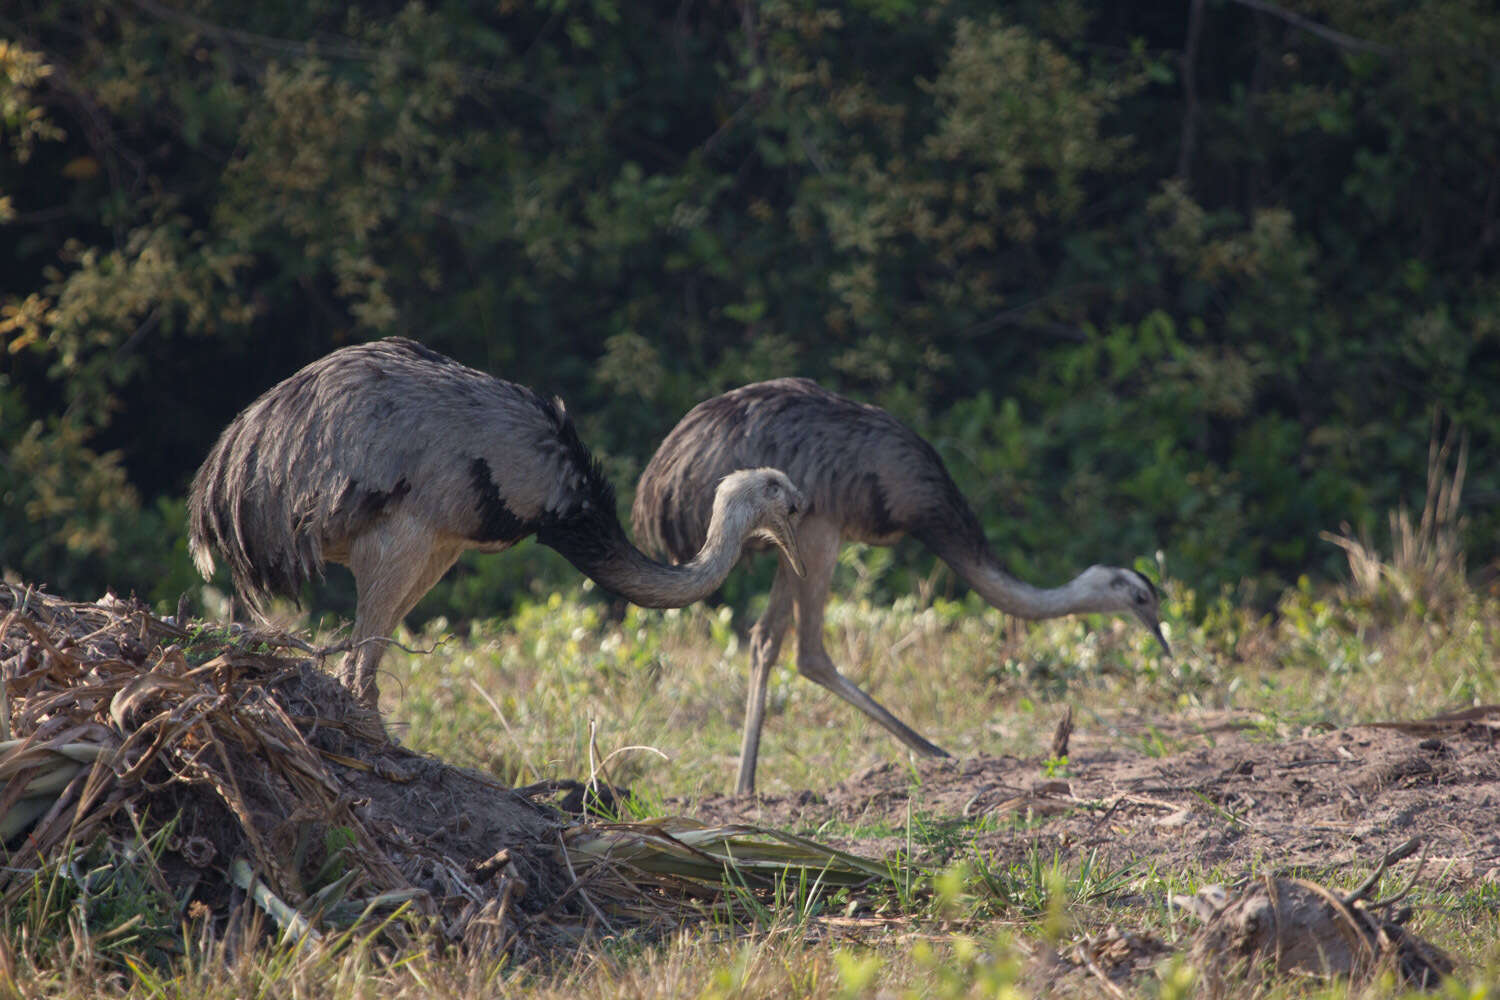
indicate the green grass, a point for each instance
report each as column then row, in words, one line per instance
column 523, row 698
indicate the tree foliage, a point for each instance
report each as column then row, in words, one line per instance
column 1188, row 277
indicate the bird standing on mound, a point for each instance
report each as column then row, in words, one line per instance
column 393, row 459
column 868, row 478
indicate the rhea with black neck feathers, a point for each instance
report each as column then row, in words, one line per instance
column 393, row 459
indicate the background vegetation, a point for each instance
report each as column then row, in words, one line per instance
column 1186, row 277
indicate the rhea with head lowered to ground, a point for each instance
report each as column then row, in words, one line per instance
column 867, row 477
column 393, row 459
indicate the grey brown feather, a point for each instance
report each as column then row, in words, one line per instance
column 393, row 459
column 867, row 477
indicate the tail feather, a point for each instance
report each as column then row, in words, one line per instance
column 249, row 520
column 203, row 556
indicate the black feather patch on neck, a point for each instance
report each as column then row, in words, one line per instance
column 586, row 530
column 1149, row 585
column 588, row 537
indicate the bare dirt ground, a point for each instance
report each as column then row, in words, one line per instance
column 1237, row 801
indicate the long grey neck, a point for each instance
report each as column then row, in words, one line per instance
column 1015, row 597
column 629, row 572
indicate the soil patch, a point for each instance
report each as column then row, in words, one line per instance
column 1238, row 801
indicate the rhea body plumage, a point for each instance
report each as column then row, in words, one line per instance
column 393, row 459
column 868, row 478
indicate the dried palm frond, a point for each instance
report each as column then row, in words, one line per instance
column 737, row 854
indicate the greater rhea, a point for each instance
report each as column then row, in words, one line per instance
column 393, row 459
column 867, row 478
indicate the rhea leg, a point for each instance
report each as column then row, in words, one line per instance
column 765, row 647
column 819, row 543
column 393, row 565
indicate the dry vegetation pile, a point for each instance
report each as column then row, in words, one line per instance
column 254, row 778
column 266, row 780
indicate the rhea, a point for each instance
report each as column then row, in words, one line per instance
column 867, row 478
column 393, row 459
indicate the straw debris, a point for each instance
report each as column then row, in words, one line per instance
column 265, row 785
column 278, row 787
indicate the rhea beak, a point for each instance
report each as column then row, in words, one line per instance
column 784, row 533
column 1154, row 624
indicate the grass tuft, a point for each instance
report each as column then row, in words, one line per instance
column 1425, row 569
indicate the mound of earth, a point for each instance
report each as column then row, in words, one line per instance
column 261, row 779
column 260, row 788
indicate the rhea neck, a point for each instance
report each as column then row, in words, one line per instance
column 629, row 572
column 982, row 572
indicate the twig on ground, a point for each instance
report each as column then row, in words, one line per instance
column 578, row 885
column 1100, row 974
column 1406, row 850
